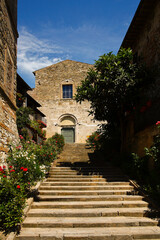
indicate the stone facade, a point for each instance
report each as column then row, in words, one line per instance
column 8, row 74
column 144, row 32
column 143, row 36
column 64, row 113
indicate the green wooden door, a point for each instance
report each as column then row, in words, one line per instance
column 69, row 135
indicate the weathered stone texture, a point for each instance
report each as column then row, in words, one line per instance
column 147, row 44
column 48, row 92
column 143, row 37
column 8, row 68
column 8, row 56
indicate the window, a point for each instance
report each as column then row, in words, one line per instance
column 67, row 91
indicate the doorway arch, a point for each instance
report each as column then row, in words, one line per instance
column 68, row 122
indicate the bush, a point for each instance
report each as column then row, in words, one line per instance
column 57, row 140
column 93, row 141
column 24, row 162
column 12, row 200
column 45, row 154
column 27, row 163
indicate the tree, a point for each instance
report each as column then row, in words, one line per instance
column 112, row 86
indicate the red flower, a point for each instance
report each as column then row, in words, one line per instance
column 4, row 167
column 12, row 170
column 10, row 166
column 22, row 168
column 143, row 109
column 1, row 170
column 4, row 176
column 21, row 137
column 158, row 123
column 25, row 169
column 19, row 147
column 18, row 187
column 51, row 153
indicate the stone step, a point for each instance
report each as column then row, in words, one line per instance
column 87, row 222
column 82, row 188
column 112, row 233
column 80, row 201
column 89, row 204
column 87, row 176
column 85, row 179
column 90, row 198
column 53, row 183
column 97, row 212
column 125, row 233
column 81, row 192
column 84, row 169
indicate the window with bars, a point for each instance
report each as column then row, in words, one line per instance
column 67, row 91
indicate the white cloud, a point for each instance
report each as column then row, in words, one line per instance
column 34, row 53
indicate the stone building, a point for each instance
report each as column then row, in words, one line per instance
column 8, row 73
column 143, row 37
column 55, row 89
column 24, row 100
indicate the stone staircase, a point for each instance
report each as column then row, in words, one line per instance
column 83, row 199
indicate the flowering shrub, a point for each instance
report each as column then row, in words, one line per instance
column 27, row 163
column 12, row 200
column 37, row 127
column 93, row 141
column 56, row 140
column 45, row 154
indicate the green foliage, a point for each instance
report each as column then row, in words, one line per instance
column 58, row 140
column 112, row 86
column 27, row 163
column 23, row 121
column 36, row 126
column 94, row 141
column 23, row 117
column 12, row 201
column 146, row 170
column 45, row 154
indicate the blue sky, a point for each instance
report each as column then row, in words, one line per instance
column 82, row 30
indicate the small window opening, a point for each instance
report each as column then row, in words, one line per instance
column 68, row 91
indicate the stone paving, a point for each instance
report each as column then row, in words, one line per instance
column 88, row 200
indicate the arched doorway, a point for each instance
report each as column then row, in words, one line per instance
column 68, row 124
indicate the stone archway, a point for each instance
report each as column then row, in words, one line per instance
column 68, row 127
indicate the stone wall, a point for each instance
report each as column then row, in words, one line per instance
column 147, row 43
column 8, row 74
column 143, row 37
column 48, row 92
